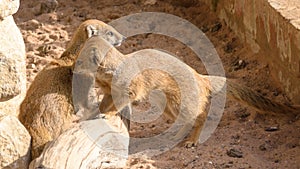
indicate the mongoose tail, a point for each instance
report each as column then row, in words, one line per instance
column 250, row 97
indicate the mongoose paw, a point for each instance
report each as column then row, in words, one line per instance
column 189, row 144
column 75, row 118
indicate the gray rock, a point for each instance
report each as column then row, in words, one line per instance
column 12, row 66
column 47, row 6
column 8, row 7
column 14, row 143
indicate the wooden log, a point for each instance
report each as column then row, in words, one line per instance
column 97, row 143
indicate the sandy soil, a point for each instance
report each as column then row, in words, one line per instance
column 241, row 129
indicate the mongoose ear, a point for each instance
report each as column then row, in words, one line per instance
column 91, row 30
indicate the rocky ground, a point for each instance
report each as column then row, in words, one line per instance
column 242, row 139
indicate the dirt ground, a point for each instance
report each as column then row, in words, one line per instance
column 242, row 129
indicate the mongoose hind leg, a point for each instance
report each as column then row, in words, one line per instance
column 194, row 135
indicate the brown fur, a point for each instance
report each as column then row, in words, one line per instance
column 47, row 109
column 149, row 80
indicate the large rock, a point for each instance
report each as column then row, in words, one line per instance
column 8, row 7
column 12, row 66
column 14, row 143
column 99, row 143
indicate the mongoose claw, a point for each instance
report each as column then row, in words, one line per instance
column 75, row 118
column 189, row 144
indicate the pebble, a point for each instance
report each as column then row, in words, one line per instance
column 235, row 153
column 216, row 27
column 48, row 6
column 33, row 24
column 228, row 48
column 237, row 65
column 150, row 2
column 262, row 147
column 54, row 37
column 185, row 3
column 272, row 128
column 31, row 66
column 204, row 29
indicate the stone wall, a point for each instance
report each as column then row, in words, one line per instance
column 271, row 28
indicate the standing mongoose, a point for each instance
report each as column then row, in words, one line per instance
column 147, row 80
column 47, row 109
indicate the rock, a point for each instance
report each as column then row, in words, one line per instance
column 185, row 3
column 216, row 27
column 262, row 147
column 150, row 2
column 237, row 65
column 12, row 66
column 32, row 25
column 14, row 143
column 272, row 128
column 235, row 153
column 9, row 87
column 204, row 28
column 47, row 6
column 228, row 48
column 98, row 143
column 8, row 7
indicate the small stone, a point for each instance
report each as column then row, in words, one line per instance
column 272, row 128
column 228, row 48
column 185, row 3
column 48, row 6
column 238, row 64
column 216, row 27
column 276, row 93
column 33, row 24
column 173, row 158
column 262, row 147
column 235, row 153
column 31, row 66
column 204, row 29
column 54, row 37
column 150, row 2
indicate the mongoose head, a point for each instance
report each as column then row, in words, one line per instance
column 87, row 29
column 107, row 32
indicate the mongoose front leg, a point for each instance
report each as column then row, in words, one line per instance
column 108, row 108
column 107, row 104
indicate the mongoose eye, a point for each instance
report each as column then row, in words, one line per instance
column 110, row 33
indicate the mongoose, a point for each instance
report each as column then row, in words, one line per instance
column 47, row 109
column 153, row 79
